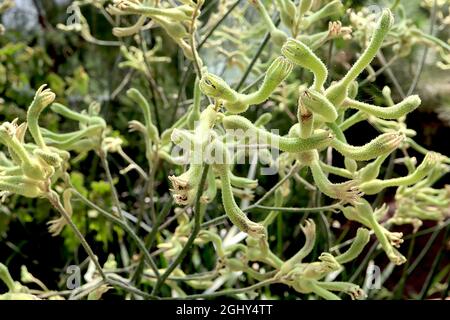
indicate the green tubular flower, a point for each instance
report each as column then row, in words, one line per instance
column 429, row 162
column 358, row 244
column 433, row 200
column 350, row 164
column 302, row 55
column 242, row 182
column 211, row 188
column 215, row 87
column 180, row 13
column 428, row 213
column 396, row 111
column 29, row 164
column 205, row 236
column 59, row 137
column 73, row 115
column 309, row 230
column 304, row 6
column 10, row 171
column 4, row 161
column 128, row 31
column 139, row 99
column 69, row 140
column 263, row 120
column 353, row 290
column 69, row 114
column 278, row 70
column 371, row 170
column 384, row 143
column 363, row 213
column 387, row 96
column 194, row 112
column 337, row 92
column 330, row 9
column 341, row 172
column 5, row 276
column 353, row 90
column 318, row 104
column 21, row 185
column 278, row 36
column 41, row 100
column 184, row 187
column 318, row 140
column 287, row 11
column 234, row 213
column 51, row 158
column 207, row 120
column 346, row 191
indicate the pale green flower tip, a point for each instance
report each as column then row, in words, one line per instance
column 305, row 6
column 42, row 98
column 318, row 103
column 215, row 87
column 25, row 275
column 295, row 50
column 414, row 101
column 132, row 92
column 279, row 69
column 363, row 235
column 263, row 119
column 278, row 37
column 386, row 20
column 236, row 122
column 386, row 91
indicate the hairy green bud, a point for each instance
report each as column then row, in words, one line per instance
column 396, row 111
column 318, row 104
column 42, row 99
column 384, row 143
column 302, row 55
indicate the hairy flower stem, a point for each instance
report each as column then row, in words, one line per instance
column 337, row 92
column 53, row 198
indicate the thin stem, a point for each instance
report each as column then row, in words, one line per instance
column 425, row 52
column 218, row 220
column 424, row 251
column 379, row 71
column 53, row 198
column 151, row 238
column 132, row 163
column 254, row 59
column 187, row 72
column 194, row 233
column 104, row 161
column 228, row 291
column 434, row 266
column 129, row 288
column 391, row 74
column 293, row 170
